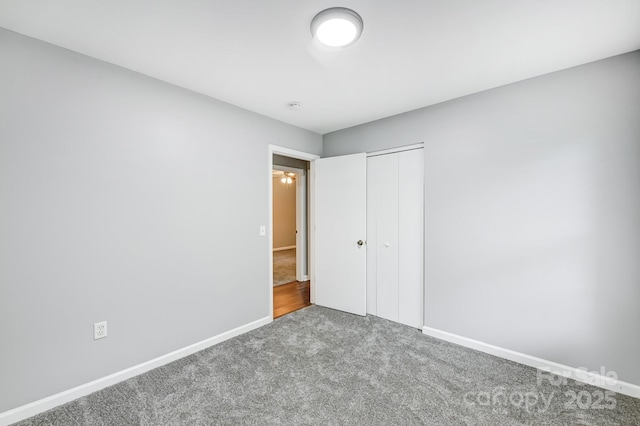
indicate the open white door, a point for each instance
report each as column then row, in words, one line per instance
column 340, row 232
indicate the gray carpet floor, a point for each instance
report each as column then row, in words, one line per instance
column 284, row 267
column 317, row 366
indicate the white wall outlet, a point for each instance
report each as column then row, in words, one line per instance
column 99, row 330
column 263, row 230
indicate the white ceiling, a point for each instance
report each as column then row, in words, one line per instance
column 259, row 54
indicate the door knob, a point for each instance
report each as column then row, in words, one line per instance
column 360, row 242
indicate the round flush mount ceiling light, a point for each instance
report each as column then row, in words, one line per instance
column 337, row 27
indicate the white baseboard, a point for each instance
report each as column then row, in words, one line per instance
column 33, row 408
column 284, row 248
column 578, row 374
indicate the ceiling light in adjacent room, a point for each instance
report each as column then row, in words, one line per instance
column 337, row 27
column 287, row 178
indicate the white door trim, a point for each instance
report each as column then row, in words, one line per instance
column 288, row 152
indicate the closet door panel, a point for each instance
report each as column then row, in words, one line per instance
column 387, row 237
column 374, row 169
column 410, row 230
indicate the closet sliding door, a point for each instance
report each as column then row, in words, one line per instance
column 382, row 236
column 411, row 237
column 395, row 236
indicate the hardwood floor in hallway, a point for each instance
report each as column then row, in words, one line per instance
column 290, row 297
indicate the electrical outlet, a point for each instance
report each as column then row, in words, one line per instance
column 99, row 330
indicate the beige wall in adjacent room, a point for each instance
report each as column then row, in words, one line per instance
column 284, row 214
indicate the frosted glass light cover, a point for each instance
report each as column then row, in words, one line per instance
column 337, row 27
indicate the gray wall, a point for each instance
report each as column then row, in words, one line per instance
column 124, row 199
column 532, row 215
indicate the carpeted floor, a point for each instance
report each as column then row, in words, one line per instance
column 284, row 266
column 317, row 366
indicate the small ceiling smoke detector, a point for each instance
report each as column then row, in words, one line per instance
column 337, row 27
column 295, row 106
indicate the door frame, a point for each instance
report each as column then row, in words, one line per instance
column 288, row 152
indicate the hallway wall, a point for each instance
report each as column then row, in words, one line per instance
column 284, row 214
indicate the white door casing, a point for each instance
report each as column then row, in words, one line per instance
column 340, row 222
column 288, row 152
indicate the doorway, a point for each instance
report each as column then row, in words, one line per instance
column 290, row 276
column 284, row 226
column 289, row 239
